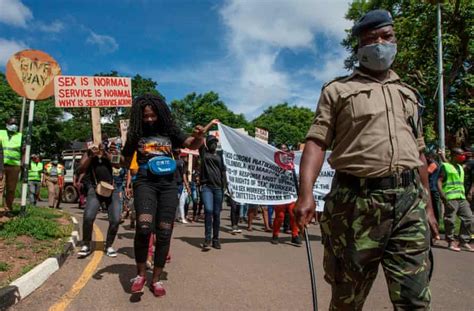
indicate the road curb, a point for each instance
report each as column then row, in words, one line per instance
column 29, row 282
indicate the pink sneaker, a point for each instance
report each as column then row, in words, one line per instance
column 137, row 284
column 158, row 289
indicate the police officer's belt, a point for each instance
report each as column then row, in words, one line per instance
column 403, row 179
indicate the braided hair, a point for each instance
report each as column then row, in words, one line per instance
column 165, row 122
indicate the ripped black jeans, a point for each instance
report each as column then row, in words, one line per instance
column 155, row 200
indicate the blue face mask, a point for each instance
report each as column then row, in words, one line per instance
column 378, row 56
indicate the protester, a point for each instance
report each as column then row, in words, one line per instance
column 452, row 193
column 213, row 183
column 234, row 214
column 153, row 134
column 253, row 212
column 270, row 209
column 119, row 178
column 279, row 217
column 469, row 182
column 281, row 211
column 35, row 176
column 11, row 145
column 378, row 211
column 183, row 186
column 131, row 177
column 78, row 183
column 433, row 173
column 54, row 180
column 97, row 164
column 244, row 208
column 196, row 195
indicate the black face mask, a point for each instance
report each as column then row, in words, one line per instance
column 150, row 128
column 212, row 147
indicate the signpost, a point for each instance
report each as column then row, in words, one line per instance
column 30, row 74
column 93, row 92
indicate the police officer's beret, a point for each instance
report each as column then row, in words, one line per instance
column 372, row 20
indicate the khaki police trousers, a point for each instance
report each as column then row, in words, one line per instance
column 11, row 175
column 53, row 194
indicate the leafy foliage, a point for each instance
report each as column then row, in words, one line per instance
column 416, row 62
column 201, row 109
column 47, row 119
column 286, row 124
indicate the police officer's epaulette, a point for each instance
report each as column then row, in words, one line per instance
column 420, row 98
column 340, row 78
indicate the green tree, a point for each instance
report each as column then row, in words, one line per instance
column 10, row 102
column 47, row 121
column 196, row 109
column 416, row 62
column 285, row 123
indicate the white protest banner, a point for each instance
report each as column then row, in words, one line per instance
column 92, row 92
column 324, row 181
column 255, row 178
column 252, row 173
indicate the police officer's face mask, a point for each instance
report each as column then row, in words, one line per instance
column 12, row 127
column 378, row 56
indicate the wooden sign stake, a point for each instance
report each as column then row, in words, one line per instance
column 96, row 130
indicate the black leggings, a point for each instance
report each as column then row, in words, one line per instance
column 155, row 204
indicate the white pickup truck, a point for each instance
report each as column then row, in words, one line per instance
column 71, row 160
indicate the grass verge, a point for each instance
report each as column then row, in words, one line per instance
column 27, row 241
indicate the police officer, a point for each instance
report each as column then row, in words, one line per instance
column 10, row 142
column 54, row 180
column 378, row 209
column 35, row 176
column 453, row 194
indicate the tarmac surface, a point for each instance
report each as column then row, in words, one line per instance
column 248, row 273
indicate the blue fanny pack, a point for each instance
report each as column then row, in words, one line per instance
column 160, row 165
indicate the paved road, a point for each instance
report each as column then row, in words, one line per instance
column 248, row 273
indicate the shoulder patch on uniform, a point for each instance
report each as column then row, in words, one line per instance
column 340, row 78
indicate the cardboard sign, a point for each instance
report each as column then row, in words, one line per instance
column 261, row 135
column 30, row 74
column 92, row 92
column 124, row 129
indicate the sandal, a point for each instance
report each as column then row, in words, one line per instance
column 453, row 247
column 466, row 247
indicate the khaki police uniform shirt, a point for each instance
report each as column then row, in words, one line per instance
column 365, row 122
